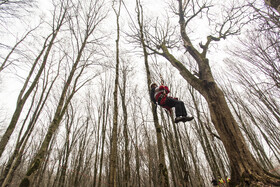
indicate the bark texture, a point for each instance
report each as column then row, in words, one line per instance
column 162, row 169
column 114, row 137
column 274, row 4
column 244, row 167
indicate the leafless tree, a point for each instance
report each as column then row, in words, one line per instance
column 114, row 137
column 71, row 138
column 23, row 138
column 204, row 134
column 27, row 88
column 7, row 61
column 14, row 9
column 104, row 112
column 163, row 43
column 257, row 54
column 92, row 15
column 125, row 70
column 163, row 173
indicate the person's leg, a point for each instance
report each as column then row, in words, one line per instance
column 183, row 112
column 171, row 102
column 180, row 108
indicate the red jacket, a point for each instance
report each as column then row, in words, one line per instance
column 161, row 94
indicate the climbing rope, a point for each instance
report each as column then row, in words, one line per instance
column 161, row 79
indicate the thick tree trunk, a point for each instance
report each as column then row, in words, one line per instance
column 274, row 4
column 204, row 140
column 252, row 136
column 243, row 165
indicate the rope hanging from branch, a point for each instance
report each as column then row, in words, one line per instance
column 161, row 79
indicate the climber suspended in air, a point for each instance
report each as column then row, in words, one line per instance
column 159, row 96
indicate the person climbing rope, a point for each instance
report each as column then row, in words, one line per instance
column 159, row 96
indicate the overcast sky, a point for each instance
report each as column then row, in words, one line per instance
column 10, row 85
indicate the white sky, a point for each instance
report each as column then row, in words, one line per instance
column 10, row 85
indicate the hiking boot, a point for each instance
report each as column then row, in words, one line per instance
column 186, row 118
column 178, row 119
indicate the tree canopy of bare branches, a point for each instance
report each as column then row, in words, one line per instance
column 82, row 113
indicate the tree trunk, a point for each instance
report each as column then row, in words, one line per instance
column 168, row 138
column 204, row 140
column 24, row 94
column 125, row 131
column 243, row 164
column 149, row 149
column 60, row 111
column 104, row 124
column 81, row 160
column 21, row 143
column 114, row 138
column 96, row 149
column 22, row 98
column 262, row 157
column 163, row 174
column 244, row 167
column 274, row 4
column 137, row 159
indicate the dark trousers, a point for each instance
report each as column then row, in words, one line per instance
column 180, row 109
